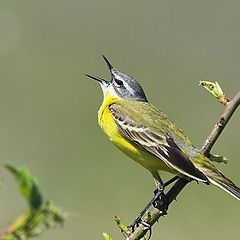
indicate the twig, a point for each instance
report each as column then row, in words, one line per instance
column 230, row 108
column 220, row 125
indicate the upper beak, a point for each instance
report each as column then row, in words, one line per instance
column 100, row 80
column 110, row 67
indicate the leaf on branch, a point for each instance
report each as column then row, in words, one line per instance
column 122, row 226
column 28, row 186
column 148, row 217
column 215, row 89
column 106, row 236
column 40, row 215
column 217, row 158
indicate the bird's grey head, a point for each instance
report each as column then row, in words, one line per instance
column 121, row 85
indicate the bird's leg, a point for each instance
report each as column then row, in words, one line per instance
column 157, row 193
column 161, row 202
column 138, row 219
column 157, row 200
column 170, row 181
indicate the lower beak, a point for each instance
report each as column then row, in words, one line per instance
column 100, row 80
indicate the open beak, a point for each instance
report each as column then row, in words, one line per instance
column 101, row 80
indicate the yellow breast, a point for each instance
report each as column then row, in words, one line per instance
column 107, row 123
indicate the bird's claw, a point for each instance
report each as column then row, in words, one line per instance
column 146, row 225
column 135, row 223
column 161, row 203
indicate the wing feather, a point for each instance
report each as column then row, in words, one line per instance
column 157, row 144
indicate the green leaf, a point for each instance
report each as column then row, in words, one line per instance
column 217, row 158
column 27, row 185
column 106, row 236
column 215, row 89
column 40, row 215
column 122, row 226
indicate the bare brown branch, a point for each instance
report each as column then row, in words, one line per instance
column 220, row 125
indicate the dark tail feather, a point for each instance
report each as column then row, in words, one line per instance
column 224, row 183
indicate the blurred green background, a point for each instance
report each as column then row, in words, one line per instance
column 48, row 108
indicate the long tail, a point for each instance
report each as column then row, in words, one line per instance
column 224, row 183
column 216, row 177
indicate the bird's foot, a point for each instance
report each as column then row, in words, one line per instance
column 146, row 226
column 136, row 222
column 161, row 202
column 156, row 201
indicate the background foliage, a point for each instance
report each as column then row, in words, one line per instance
column 48, row 107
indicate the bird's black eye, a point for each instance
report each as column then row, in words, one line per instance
column 118, row 82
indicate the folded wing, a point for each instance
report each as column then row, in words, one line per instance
column 155, row 143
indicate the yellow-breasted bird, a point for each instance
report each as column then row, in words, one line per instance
column 146, row 135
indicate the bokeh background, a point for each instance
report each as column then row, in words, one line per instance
column 48, row 108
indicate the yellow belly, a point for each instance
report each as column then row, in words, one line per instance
column 141, row 156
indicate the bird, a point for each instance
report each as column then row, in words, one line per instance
column 146, row 135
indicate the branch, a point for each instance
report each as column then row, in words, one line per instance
column 230, row 108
